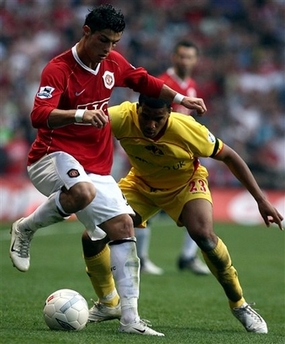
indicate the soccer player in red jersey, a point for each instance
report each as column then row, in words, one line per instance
column 71, row 157
column 179, row 77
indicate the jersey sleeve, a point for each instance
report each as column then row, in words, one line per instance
column 115, row 115
column 208, row 146
column 118, row 115
column 217, row 148
column 123, row 120
column 201, row 141
column 52, row 85
column 137, row 79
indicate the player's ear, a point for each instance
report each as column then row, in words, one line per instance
column 86, row 30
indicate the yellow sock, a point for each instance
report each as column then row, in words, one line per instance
column 220, row 264
column 98, row 269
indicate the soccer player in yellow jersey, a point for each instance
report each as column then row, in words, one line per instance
column 164, row 150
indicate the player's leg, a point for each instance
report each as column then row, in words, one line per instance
column 98, row 268
column 68, row 188
column 189, row 259
column 143, row 240
column 109, row 211
column 198, row 219
column 137, row 195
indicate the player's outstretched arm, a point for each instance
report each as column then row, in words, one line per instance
column 191, row 103
column 196, row 104
column 242, row 172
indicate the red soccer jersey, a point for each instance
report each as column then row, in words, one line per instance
column 66, row 83
column 186, row 87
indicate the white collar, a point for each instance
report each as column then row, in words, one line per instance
column 77, row 59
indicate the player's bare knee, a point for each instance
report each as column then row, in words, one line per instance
column 126, row 228
column 82, row 194
column 207, row 242
column 119, row 227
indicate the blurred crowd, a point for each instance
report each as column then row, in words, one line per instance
column 240, row 75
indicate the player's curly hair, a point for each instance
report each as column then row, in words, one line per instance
column 105, row 17
column 154, row 103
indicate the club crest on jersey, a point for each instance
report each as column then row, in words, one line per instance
column 73, row 173
column 109, row 80
column 45, row 92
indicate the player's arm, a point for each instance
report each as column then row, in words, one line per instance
column 140, row 81
column 57, row 118
column 191, row 103
column 242, row 172
column 60, row 118
column 46, row 114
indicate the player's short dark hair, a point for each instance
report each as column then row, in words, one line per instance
column 185, row 43
column 155, row 103
column 105, row 17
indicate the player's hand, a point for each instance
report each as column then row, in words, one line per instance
column 97, row 118
column 270, row 214
column 196, row 104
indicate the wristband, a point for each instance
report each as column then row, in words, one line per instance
column 178, row 98
column 79, row 115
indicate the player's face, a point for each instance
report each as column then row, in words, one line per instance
column 184, row 60
column 151, row 120
column 98, row 45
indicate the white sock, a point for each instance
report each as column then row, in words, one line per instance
column 125, row 268
column 143, row 238
column 46, row 214
column 189, row 247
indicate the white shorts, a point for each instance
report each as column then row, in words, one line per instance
column 55, row 170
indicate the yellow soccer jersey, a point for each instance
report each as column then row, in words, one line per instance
column 170, row 161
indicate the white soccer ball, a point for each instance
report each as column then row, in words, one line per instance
column 66, row 309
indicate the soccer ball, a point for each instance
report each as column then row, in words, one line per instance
column 66, row 309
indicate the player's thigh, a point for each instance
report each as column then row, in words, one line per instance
column 197, row 213
column 108, row 210
column 55, row 170
column 139, row 199
column 197, row 217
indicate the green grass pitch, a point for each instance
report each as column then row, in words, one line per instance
column 187, row 308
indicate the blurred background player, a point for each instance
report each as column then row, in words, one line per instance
column 179, row 77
